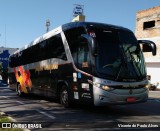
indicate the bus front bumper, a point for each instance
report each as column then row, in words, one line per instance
column 119, row 96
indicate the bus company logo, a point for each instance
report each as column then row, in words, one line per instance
column 92, row 34
column 130, row 91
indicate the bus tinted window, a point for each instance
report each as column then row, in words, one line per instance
column 55, row 48
column 47, row 49
column 73, row 36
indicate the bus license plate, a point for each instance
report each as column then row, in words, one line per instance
column 131, row 99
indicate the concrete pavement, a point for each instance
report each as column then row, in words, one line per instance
column 154, row 94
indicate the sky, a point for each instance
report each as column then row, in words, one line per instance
column 22, row 21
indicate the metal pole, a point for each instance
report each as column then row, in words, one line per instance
column 5, row 36
column 47, row 25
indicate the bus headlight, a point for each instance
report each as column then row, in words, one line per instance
column 106, row 88
column 147, row 86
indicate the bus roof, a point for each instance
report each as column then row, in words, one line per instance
column 66, row 27
column 87, row 24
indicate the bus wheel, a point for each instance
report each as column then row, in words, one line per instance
column 64, row 99
column 19, row 92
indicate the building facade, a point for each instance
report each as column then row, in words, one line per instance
column 4, row 60
column 4, row 55
column 148, row 28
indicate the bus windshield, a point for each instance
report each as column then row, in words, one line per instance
column 119, row 55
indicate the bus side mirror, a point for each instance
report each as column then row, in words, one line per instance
column 91, row 43
column 148, row 46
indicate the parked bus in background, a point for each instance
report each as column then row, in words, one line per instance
column 83, row 62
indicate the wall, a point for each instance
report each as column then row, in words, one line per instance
column 148, row 28
column 4, row 57
column 152, row 33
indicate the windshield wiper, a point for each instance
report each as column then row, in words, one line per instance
column 123, row 62
column 119, row 70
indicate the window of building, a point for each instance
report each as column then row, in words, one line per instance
column 148, row 24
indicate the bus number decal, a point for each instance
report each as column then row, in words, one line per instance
column 75, row 77
column 76, row 96
column 92, row 34
column 85, row 86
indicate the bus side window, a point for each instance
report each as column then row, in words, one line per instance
column 83, row 56
column 72, row 36
column 55, row 49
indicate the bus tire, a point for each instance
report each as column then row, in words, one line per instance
column 64, row 97
column 19, row 92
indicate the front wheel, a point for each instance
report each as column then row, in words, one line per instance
column 64, row 97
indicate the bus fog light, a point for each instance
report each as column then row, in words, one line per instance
column 147, row 86
column 105, row 88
